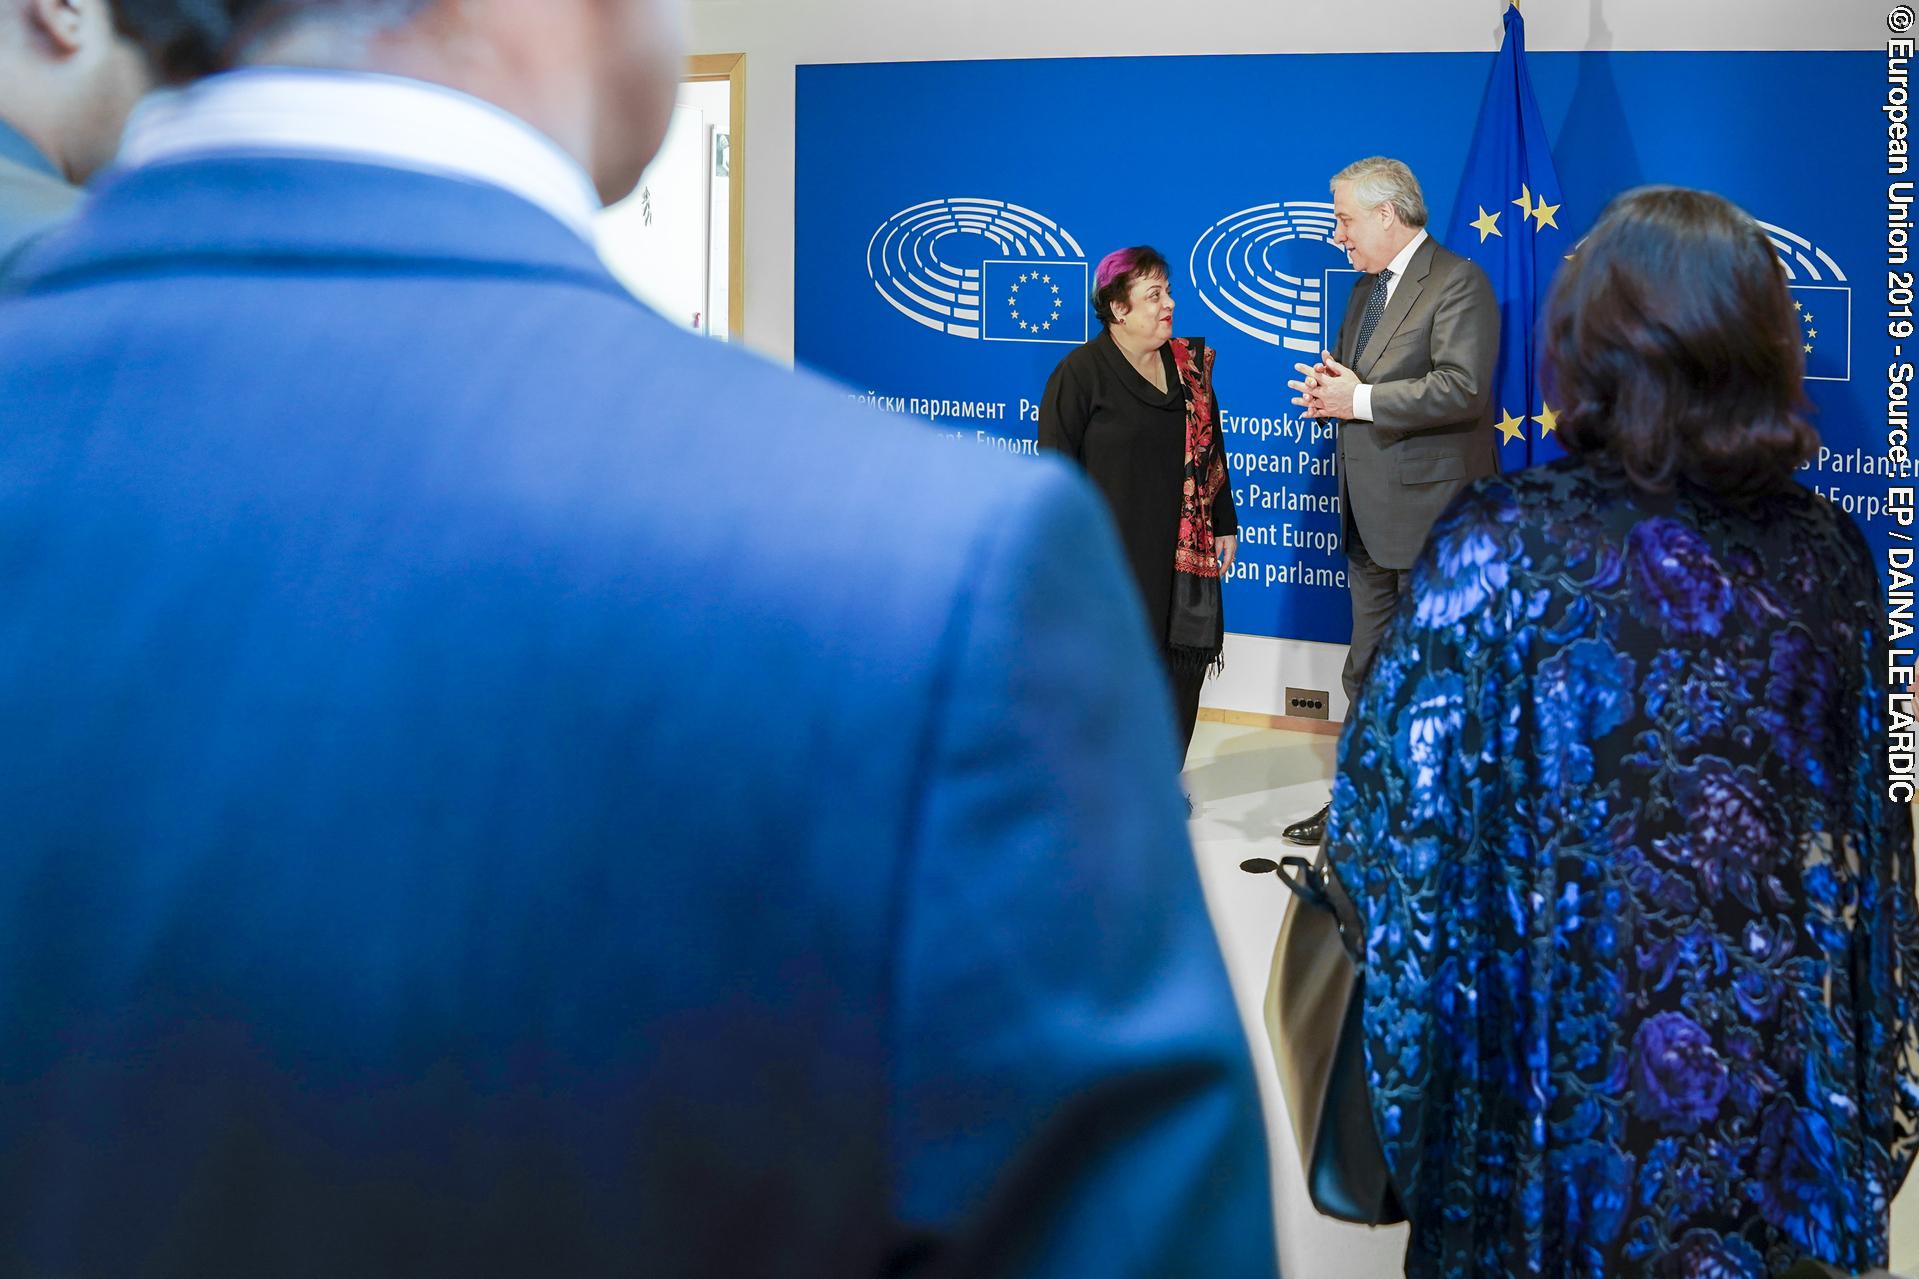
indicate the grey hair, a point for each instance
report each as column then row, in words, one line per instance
column 1380, row 180
column 326, row 33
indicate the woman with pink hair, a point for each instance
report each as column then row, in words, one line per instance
column 1135, row 408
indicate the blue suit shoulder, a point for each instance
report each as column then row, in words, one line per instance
column 603, row 734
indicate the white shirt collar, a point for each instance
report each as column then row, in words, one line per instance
column 1363, row 394
column 1399, row 263
column 368, row 118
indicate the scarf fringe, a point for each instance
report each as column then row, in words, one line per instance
column 1187, row 662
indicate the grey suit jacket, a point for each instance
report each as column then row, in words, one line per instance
column 33, row 196
column 1430, row 364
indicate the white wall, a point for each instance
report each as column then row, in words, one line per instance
column 778, row 35
column 667, row 241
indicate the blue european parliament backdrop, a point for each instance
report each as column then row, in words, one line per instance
column 949, row 214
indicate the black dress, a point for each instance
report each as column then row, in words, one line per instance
column 1130, row 437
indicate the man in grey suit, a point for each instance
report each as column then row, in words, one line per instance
column 68, row 80
column 1411, row 388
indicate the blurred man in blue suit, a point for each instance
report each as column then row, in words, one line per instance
column 496, row 785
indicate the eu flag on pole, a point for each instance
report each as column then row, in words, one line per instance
column 1505, row 219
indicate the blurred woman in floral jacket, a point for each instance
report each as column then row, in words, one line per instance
column 1639, row 932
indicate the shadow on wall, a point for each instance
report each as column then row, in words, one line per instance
column 1596, row 127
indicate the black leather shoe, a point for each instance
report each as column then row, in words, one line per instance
column 1308, row 830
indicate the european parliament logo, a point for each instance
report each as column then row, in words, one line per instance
column 971, row 267
column 1274, row 273
column 1822, row 300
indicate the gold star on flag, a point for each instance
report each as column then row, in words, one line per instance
column 1016, row 315
column 1046, row 279
column 1543, row 214
column 1024, row 277
column 1487, row 224
column 1808, row 348
column 1812, row 333
column 1809, row 317
column 1525, row 200
column 1547, row 419
column 1512, row 428
column 1056, row 288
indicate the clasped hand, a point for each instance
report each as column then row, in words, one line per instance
column 1326, row 388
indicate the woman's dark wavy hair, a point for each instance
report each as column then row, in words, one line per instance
column 1672, row 345
column 187, row 39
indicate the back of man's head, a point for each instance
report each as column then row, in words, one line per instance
column 69, row 76
column 188, row 39
column 597, row 76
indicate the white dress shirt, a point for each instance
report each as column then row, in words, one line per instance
column 367, row 118
column 1363, row 393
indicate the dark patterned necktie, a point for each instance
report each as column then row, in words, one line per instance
column 1375, row 307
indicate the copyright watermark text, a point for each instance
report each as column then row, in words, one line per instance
column 1902, row 725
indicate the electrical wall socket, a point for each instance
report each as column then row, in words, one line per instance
column 1309, row 703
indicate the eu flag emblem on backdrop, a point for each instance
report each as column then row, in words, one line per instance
column 1033, row 300
column 1825, row 328
column 1506, row 220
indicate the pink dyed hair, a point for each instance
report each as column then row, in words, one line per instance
column 1115, row 264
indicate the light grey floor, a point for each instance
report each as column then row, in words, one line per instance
column 1246, row 784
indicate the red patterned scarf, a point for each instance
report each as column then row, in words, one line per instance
column 1196, row 636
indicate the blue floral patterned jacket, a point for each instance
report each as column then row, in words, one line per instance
column 1640, row 938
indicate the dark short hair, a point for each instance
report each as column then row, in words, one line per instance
column 183, row 39
column 1116, row 274
column 187, row 39
column 1672, row 344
